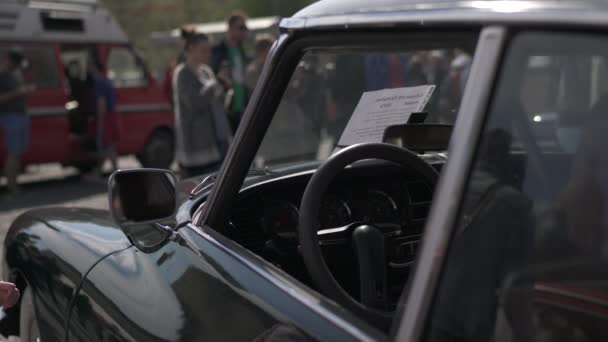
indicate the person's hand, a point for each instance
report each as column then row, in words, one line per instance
column 9, row 294
column 224, row 76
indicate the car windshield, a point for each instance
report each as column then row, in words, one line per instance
column 337, row 98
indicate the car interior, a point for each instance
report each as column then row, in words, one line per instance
column 366, row 205
column 393, row 199
column 366, row 269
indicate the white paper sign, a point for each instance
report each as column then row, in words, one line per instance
column 380, row 109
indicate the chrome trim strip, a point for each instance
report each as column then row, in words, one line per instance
column 151, row 107
column 332, row 230
column 571, row 294
column 301, row 296
column 135, row 108
column 572, row 309
column 451, row 185
column 589, row 17
column 46, row 111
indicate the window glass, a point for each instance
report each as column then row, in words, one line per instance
column 327, row 88
column 124, row 69
column 528, row 256
column 41, row 67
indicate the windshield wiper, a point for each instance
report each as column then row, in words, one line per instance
column 210, row 179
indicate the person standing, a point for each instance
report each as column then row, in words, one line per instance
column 228, row 61
column 82, row 91
column 13, row 117
column 263, row 43
column 108, row 126
column 201, row 125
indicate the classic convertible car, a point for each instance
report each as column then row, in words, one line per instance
column 341, row 214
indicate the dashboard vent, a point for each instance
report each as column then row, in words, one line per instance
column 420, row 196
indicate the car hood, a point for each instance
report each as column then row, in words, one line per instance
column 55, row 241
column 91, row 229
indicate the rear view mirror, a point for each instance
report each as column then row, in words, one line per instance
column 142, row 195
column 419, row 137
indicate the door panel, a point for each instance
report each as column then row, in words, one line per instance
column 168, row 295
column 185, row 293
column 527, row 263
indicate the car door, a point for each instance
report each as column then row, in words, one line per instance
column 49, row 127
column 200, row 286
column 516, row 264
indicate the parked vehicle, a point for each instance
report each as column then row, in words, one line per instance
column 353, row 221
column 60, row 39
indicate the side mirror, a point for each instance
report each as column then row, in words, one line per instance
column 142, row 195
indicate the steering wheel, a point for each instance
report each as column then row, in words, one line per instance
column 368, row 240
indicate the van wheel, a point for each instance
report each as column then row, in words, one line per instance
column 28, row 325
column 158, row 151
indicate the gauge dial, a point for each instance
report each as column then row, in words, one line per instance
column 281, row 218
column 334, row 213
column 381, row 208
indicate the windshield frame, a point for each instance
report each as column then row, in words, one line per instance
column 276, row 75
column 282, row 62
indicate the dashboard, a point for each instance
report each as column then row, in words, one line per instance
column 374, row 194
column 265, row 220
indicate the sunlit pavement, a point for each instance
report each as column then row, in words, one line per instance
column 52, row 185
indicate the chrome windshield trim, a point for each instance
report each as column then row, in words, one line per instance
column 563, row 15
column 200, row 187
column 570, row 293
column 47, row 111
column 451, row 185
column 144, row 107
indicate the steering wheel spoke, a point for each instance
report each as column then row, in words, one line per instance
column 369, row 241
column 337, row 236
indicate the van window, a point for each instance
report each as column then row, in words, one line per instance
column 124, row 69
column 41, row 69
column 54, row 23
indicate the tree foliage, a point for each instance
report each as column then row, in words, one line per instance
column 141, row 17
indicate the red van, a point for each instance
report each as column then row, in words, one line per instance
column 59, row 40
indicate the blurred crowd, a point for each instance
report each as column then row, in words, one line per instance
column 326, row 88
column 212, row 84
column 209, row 89
column 208, row 86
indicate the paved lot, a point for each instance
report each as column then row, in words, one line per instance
column 52, row 185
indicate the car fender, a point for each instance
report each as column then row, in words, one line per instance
column 51, row 250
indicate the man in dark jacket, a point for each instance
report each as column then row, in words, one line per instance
column 228, row 61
